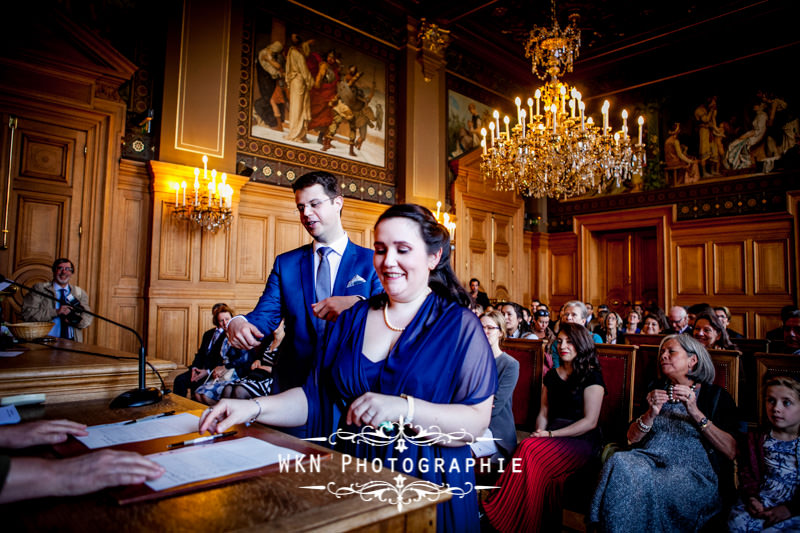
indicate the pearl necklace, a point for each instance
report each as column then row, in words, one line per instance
column 386, row 320
column 671, row 392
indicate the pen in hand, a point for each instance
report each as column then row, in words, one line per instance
column 201, row 440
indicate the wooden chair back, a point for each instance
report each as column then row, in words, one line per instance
column 777, row 347
column 770, row 364
column 643, row 338
column 617, row 362
column 528, row 392
column 726, row 365
column 747, row 375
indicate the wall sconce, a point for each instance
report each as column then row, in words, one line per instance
column 445, row 220
column 209, row 205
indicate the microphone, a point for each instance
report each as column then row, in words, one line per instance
column 133, row 398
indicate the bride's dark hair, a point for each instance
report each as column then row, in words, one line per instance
column 443, row 280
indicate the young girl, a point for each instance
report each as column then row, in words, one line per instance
column 769, row 469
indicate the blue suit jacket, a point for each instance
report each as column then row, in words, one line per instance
column 289, row 294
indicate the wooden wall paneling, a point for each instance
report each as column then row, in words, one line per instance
column 765, row 322
column 477, row 263
column 563, row 275
column 728, row 267
column 525, row 270
column 215, row 256
column 739, row 320
column 690, row 269
column 173, row 332
column 770, row 267
column 251, row 254
column 540, row 266
column 175, row 245
column 503, row 267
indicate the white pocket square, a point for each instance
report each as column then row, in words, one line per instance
column 355, row 281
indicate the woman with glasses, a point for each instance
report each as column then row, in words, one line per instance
column 502, row 425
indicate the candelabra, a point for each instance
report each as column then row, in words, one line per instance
column 210, row 205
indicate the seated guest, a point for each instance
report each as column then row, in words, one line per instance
column 724, row 316
column 476, row 295
column 572, row 312
column 791, row 333
column 541, row 328
column 516, row 328
column 597, row 324
column 477, row 309
column 632, row 323
column 611, row 332
column 696, row 310
column 566, row 437
column 228, row 363
column 777, row 333
column 769, row 468
column 655, row 322
column 63, row 308
column 22, row 478
column 680, row 473
column 502, row 425
column 526, row 317
column 679, row 321
column 258, row 381
column 711, row 333
column 414, row 351
column 201, row 365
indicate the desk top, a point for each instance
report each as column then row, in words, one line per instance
column 276, row 501
column 69, row 371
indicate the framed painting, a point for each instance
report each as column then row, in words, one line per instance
column 318, row 96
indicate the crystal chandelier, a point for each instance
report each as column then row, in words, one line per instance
column 557, row 152
column 209, row 206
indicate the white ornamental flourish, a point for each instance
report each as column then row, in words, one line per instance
column 398, row 494
column 417, row 435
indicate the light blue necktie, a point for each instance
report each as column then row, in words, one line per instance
column 62, row 297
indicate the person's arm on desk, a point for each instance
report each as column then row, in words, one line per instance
column 39, row 432
column 287, row 409
column 30, row 477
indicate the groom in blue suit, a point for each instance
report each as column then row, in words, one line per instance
column 309, row 285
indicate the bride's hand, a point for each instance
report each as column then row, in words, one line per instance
column 226, row 413
column 373, row 409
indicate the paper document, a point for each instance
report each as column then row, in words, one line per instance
column 9, row 415
column 9, row 354
column 154, row 428
column 209, row 461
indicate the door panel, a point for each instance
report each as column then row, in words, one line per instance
column 630, row 259
column 44, row 209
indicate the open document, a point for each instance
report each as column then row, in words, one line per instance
column 148, row 428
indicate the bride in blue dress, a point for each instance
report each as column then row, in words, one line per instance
column 414, row 352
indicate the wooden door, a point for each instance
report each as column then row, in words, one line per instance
column 44, row 201
column 489, row 252
column 630, row 266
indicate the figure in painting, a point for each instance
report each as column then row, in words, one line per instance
column 469, row 136
column 300, row 81
column 710, row 148
column 678, row 163
column 351, row 107
column 270, row 82
column 323, row 92
column 741, row 151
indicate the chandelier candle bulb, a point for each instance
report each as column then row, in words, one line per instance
column 183, row 188
column 177, row 188
column 496, row 116
column 483, row 142
column 554, row 109
column 530, row 111
column 506, row 120
column 625, row 123
column 538, row 95
column 582, row 106
column 572, row 108
column 491, row 131
column 563, row 92
column 641, row 123
column 205, row 167
column 438, row 207
column 518, row 101
column 522, row 114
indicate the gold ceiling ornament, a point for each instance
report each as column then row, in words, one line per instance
column 558, row 152
column 433, row 42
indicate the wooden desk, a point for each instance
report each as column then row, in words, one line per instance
column 66, row 373
column 272, row 502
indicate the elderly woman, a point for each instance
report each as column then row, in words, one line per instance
column 681, row 469
column 710, row 332
column 566, row 437
column 415, row 353
column 502, row 426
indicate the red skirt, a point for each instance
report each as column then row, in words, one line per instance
column 530, row 500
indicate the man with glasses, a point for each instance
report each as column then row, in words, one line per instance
column 309, row 285
column 679, row 320
column 65, row 306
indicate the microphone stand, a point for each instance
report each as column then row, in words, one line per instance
column 133, row 398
